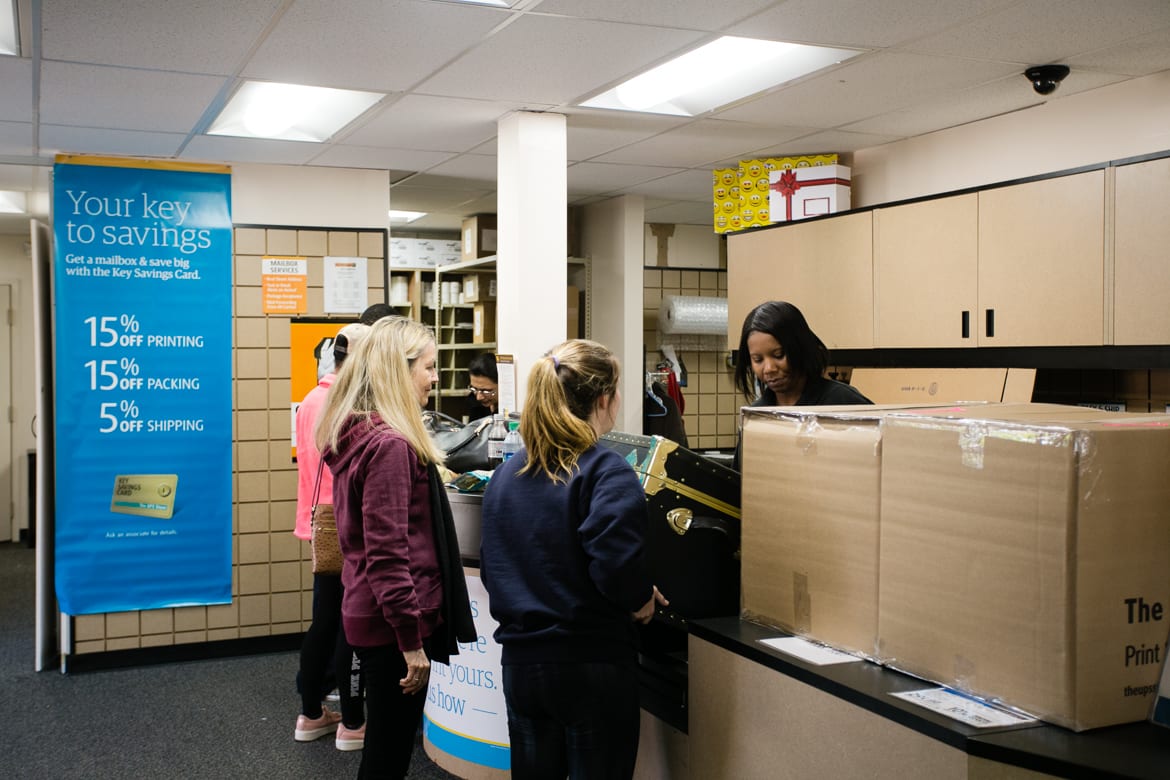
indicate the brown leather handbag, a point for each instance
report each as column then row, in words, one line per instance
column 324, row 541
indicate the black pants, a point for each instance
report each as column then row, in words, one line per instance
column 393, row 716
column 325, row 644
column 574, row 720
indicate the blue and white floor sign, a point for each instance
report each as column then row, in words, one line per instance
column 143, row 394
column 465, row 715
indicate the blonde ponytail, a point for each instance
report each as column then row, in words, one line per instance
column 563, row 390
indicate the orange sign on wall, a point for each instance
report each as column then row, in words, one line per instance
column 310, row 340
column 284, row 285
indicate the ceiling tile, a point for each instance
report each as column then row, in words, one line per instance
column 700, row 143
column 16, row 140
column 868, row 86
column 1138, row 56
column 860, row 23
column 434, row 123
column 250, row 150
column 684, row 14
column 592, row 132
column 555, row 61
column 353, row 156
column 125, row 98
column 1040, row 31
column 65, row 139
column 589, row 178
column 987, row 100
column 379, row 45
column 478, row 168
column 149, row 34
column 827, row 142
column 16, row 100
column 689, row 185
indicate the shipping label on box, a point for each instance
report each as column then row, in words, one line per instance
column 1024, row 559
column 483, row 327
column 799, row 193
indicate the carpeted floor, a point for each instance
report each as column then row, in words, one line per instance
column 222, row 718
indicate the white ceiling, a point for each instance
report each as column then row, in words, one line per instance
column 146, row 78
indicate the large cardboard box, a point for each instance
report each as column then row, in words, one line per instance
column 811, row 513
column 479, row 237
column 572, row 313
column 1024, row 558
column 944, row 385
column 483, row 323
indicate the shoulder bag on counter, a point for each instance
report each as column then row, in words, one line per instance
column 465, row 444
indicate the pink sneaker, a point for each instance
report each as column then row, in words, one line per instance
column 309, row 729
column 351, row 739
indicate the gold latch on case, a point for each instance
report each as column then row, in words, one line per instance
column 679, row 520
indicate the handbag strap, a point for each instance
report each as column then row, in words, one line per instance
column 317, row 485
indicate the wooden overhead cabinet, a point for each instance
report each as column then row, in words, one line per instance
column 1042, row 263
column 926, row 273
column 824, row 267
column 1142, row 253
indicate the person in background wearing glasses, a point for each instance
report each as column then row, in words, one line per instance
column 483, row 395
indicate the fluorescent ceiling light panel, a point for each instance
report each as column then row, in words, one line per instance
column 13, row 202
column 8, row 36
column 290, row 112
column 716, row 74
column 405, row 216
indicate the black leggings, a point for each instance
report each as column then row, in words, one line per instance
column 394, row 716
column 324, row 644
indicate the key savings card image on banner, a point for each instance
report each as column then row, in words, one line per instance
column 143, row 369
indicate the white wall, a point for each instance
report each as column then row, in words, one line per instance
column 319, row 197
column 1110, row 123
column 16, row 270
column 690, row 246
column 612, row 238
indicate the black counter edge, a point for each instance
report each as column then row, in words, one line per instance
column 796, row 670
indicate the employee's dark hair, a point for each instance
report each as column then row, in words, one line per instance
column 563, row 389
column 807, row 354
column 484, row 364
column 375, row 312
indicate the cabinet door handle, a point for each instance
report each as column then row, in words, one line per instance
column 966, row 324
column 990, row 323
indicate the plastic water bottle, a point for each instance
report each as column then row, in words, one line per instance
column 495, row 446
column 512, row 442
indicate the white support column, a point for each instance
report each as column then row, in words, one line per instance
column 613, row 238
column 532, row 214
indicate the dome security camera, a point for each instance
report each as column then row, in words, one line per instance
column 1046, row 78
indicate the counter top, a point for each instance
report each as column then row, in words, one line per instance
column 1137, row 750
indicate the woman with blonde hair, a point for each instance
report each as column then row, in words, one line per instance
column 405, row 600
column 562, row 560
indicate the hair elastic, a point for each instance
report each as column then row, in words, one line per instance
column 556, row 363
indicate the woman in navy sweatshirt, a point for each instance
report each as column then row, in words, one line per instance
column 562, row 560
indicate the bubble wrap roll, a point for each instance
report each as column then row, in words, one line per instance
column 690, row 315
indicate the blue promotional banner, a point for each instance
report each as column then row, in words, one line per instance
column 143, row 396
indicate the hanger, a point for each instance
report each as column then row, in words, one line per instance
column 659, row 408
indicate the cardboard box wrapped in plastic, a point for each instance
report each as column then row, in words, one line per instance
column 1024, row 557
column 811, row 519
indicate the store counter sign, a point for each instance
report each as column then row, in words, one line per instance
column 284, row 285
column 143, row 369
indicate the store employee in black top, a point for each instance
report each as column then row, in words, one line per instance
column 781, row 362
